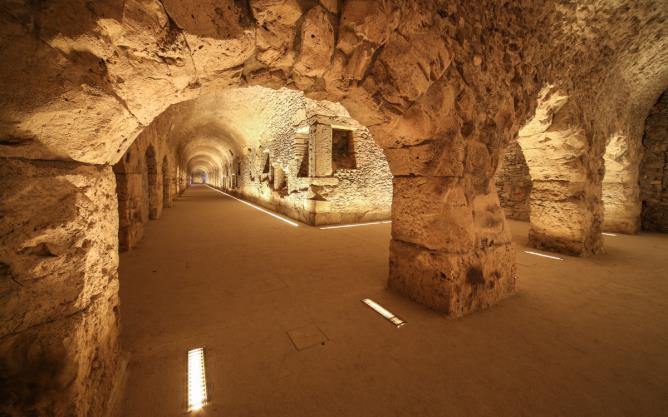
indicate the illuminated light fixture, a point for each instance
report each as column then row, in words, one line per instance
column 608, row 234
column 290, row 222
column 355, row 225
column 543, row 255
column 196, row 380
column 383, row 312
column 303, row 130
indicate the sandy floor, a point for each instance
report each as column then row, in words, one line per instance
column 582, row 337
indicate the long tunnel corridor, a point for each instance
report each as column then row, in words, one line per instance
column 278, row 309
column 333, row 208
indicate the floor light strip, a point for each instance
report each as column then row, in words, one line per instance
column 543, row 255
column 608, row 234
column 355, row 225
column 290, row 222
column 196, row 380
column 383, row 312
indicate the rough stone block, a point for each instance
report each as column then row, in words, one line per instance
column 59, row 324
column 455, row 284
column 432, row 212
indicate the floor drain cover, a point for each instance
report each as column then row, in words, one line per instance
column 307, row 336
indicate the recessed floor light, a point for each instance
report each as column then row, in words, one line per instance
column 290, row 222
column 608, row 234
column 543, row 255
column 196, row 380
column 384, row 312
column 355, row 225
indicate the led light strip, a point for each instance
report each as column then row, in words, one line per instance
column 290, row 222
column 608, row 234
column 543, row 255
column 355, row 225
column 383, row 312
column 196, row 380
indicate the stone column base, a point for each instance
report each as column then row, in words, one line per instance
column 454, row 284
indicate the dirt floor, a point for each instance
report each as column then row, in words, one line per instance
column 582, row 337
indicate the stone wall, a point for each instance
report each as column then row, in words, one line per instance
column 443, row 86
column 146, row 181
column 654, row 168
column 59, row 353
column 513, row 183
column 321, row 193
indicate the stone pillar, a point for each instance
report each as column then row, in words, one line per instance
column 563, row 218
column 451, row 249
column 620, row 189
column 320, row 150
column 565, row 167
column 59, row 353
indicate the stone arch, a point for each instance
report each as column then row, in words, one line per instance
column 442, row 87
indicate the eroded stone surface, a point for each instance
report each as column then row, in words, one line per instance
column 620, row 190
column 58, row 338
column 442, row 87
column 513, row 183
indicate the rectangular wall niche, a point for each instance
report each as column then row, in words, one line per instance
column 343, row 151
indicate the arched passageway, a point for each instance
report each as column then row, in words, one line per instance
column 441, row 88
column 654, row 168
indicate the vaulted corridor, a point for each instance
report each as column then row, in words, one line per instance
column 278, row 310
column 178, row 182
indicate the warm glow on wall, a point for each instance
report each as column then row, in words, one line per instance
column 384, row 312
column 196, row 380
column 290, row 222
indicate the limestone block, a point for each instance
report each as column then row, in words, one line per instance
column 366, row 20
column 60, row 254
column 404, row 70
column 219, row 19
column 317, row 43
column 455, row 284
column 432, row 212
column 320, row 150
column 59, row 287
column 63, row 368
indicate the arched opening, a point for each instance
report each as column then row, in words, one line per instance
column 252, row 141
